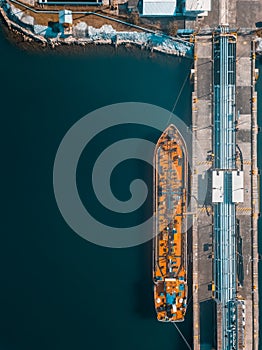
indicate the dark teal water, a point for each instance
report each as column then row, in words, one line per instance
column 58, row 291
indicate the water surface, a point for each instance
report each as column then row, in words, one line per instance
column 57, row 290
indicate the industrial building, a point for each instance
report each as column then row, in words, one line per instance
column 173, row 8
column 159, row 7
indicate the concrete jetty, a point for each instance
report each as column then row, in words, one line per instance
column 225, row 286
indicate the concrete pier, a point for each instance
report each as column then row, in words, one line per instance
column 247, row 212
column 218, row 324
column 203, row 223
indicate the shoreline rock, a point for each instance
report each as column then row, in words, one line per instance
column 105, row 35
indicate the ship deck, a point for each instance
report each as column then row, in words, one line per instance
column 170, row 243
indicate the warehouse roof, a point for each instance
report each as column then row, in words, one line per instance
column 159, row 7
column 198, row 5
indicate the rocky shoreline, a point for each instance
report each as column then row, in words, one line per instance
column 106, row 35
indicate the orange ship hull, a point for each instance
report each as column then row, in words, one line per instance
column 170, row 242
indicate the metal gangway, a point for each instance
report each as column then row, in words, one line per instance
column 225, row 274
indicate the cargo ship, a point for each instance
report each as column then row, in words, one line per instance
column 170, row 240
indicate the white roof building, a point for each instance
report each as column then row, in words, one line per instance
column 217, row 186
column 197, row 5
column 168, row 7
column 159, row 7
column 65, row 17
column 237, row 186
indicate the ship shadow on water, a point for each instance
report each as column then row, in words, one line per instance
column 144, row 295
column 143, row 287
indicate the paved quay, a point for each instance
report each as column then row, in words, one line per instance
column 203, row 222
column 207, row 311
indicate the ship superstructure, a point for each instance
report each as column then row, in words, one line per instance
column 170, row 242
